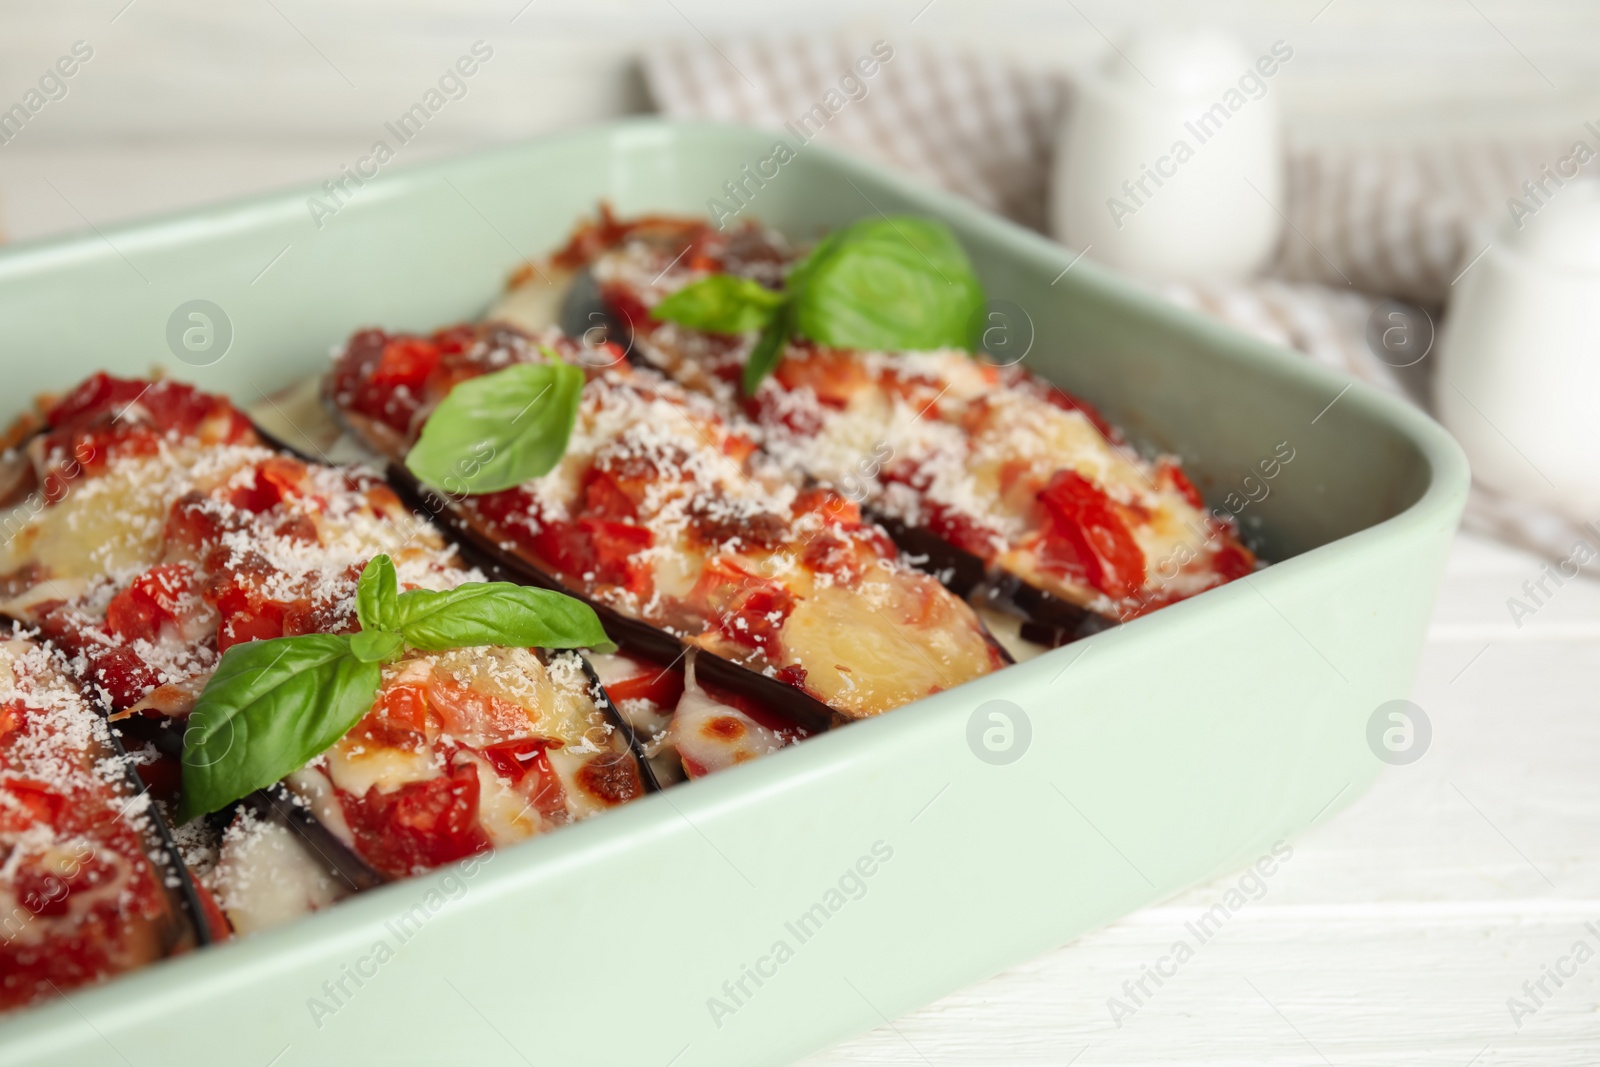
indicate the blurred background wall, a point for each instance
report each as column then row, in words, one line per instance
column 186, row 101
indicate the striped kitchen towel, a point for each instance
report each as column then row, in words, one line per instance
column 1365, row 223
column 1399, row 221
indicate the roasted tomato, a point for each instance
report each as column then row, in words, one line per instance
column 1085, row 536
column 420, row 825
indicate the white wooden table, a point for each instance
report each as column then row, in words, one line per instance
column 1400, row 928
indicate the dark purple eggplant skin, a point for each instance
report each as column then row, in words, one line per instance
column 647, row 773
column 1048, row 620
column 194, row 930
column 280, row 805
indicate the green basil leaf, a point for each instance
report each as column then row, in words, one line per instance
column 497, row 613
column 889, row 284
column 722, row 303
column 768, row 350
column 498, row 430
column 270, row 708
column 376, row 592
column 801, row 271
column 377, row 646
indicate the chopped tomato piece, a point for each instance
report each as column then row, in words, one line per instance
column 399, row 720
column 188, row 523
column 661, row 687
column 1085, row 537
column 106, row 415
column 793, row 675
column 1173, row 475
column 353, row 384
column 604, row 498
column 962, row 531
column 616, row 546
column 836, row 509
column 404, row 707
column 472, row 716
column 275, row 480
column 769, row 407
column 420, row 825
column 749, row 610
column 543, row 788
column 10, row 719
column 406, row 361
column 261, row 623
column 156, row 596
column 562, row 546
column 38, row 801
column 95, row 395
column 513, row 760
column 759, row 618
column 1233, row 560
column 833, row 376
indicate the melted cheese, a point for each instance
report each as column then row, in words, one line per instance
column 866, row 651
column 505, row 814
column 266, row 877
column 711, row 736
column 357, row 766
column 113, row 522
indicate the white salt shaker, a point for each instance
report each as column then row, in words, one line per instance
column 1518, row 380
column 1169, row 163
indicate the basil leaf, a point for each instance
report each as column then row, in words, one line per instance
column 270, row 708
column 376, row 592
column 377, row 646
column 889, row 284
column 497, row 613
column 722, row 303
column 496, row 431
column 768, row 350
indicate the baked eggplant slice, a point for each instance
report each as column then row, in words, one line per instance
column 659, row 510
column 1017, row 494
column 466, row 750
column 229, row 543
column 90, row 886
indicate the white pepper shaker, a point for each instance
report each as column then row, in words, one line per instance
column 1518, row 380
column 1169, row 163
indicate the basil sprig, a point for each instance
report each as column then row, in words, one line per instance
column 895, row 283
column 722, row 303
column 274, row 705
column 498, row 430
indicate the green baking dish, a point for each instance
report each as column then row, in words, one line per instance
column 763, row 913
